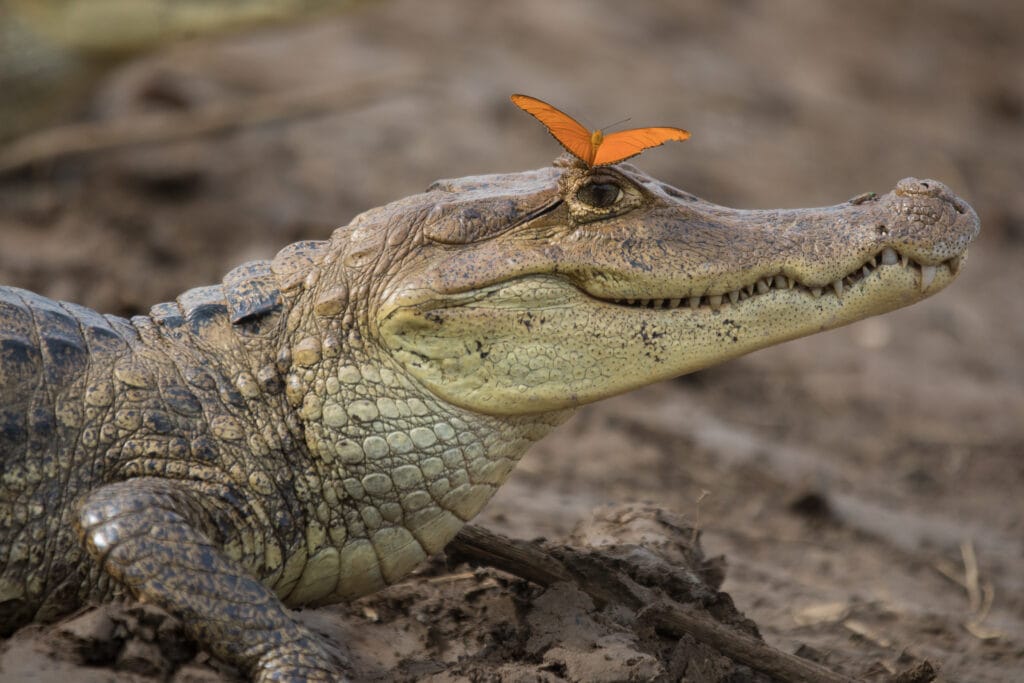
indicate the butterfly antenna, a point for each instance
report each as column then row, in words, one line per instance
column 617, row 123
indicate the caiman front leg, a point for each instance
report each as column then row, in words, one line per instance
column 156, row 537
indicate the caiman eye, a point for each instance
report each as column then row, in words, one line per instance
column 599, row 195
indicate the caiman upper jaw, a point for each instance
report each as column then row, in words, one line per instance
column 741, row 254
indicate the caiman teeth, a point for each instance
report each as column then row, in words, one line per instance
column 764, row 285
column 927, row 275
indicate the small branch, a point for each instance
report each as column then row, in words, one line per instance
column 147, row 129
column 516, row 557
column 971, row 575
column 534, row 564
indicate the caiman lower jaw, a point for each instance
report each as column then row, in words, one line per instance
column 926, row 276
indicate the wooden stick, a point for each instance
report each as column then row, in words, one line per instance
column 146, row 129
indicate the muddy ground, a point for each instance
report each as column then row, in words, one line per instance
column 865, row 486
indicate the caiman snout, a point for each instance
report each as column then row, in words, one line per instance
column 912, row 187
column 928, row 222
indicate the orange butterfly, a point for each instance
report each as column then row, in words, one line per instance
column 594, row 148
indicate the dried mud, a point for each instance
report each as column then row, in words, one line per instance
column 863, row 486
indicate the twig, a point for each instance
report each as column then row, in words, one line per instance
column 539, row 566
column 971, row 575
column 949, row 571
column 864, row 631
column 452, row 578
column 974, row 625
column 697, row 522
column 980, row 595
column 152, row 128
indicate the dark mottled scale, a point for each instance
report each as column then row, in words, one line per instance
column 305, row 252
column 67, row 339
column 199, row 378
column 231, row 396
column 202, row 302
column 95, row 327
column 292, row 263
column 13, row 431
column 122, row 327
column 181, row 400
column 167, row 314
column 20, row 358
column 202, row 307
column 251, row 291
column 37, row 362
column 157, row 422
column 18, row 322
column 62, row 349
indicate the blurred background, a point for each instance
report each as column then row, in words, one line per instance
column 865, row 485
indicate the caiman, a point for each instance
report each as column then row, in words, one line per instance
column 313, row 427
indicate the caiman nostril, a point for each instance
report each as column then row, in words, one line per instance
column 923, row 188
column 911, row 187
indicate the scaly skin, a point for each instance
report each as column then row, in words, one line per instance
column 314, row 427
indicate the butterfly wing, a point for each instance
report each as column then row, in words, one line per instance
column 564, row 128
column 624, row 144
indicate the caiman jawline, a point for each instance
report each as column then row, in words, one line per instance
column 886, row 257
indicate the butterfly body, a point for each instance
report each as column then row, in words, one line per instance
column 594, row 148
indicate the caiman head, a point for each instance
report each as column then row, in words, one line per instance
column 544, row 290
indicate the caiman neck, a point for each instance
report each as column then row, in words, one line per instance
column 407, row 467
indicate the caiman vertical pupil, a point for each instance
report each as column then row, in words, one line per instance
column 599, row 195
